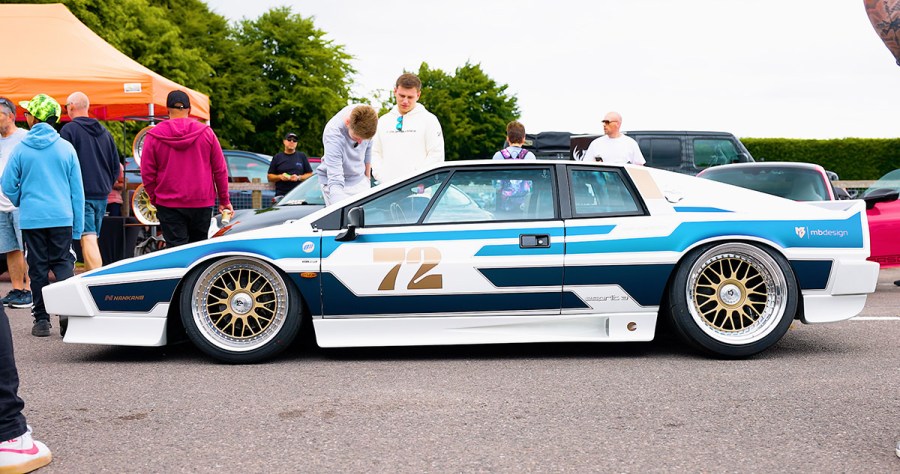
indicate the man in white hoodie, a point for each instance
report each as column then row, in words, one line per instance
column 409, row 137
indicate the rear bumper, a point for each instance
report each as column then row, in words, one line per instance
column 851, row 282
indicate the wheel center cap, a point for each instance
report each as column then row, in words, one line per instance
column 241, row 303
column 730, row 294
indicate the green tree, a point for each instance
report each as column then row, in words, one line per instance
column 472, row 108
column 299, row 80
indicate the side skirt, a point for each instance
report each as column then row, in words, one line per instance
column 458, row 330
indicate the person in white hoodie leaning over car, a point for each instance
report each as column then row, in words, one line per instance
column 409, row 137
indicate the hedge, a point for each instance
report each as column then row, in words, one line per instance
column 850, row 158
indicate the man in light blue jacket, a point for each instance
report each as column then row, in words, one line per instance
column 43, row 179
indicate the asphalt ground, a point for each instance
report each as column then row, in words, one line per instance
column 825, row 399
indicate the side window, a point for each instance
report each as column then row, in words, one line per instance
column 711, row 152
column 403, row 205
column 509, row 193
column 661, row 152
column 601, row 192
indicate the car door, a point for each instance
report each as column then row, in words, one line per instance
column 466, row 242
column 604, row 263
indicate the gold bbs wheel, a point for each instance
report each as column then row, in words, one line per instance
column 735, row 299
column 141, row 208
column 240, row 308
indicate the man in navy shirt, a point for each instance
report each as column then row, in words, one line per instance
column 289, row 167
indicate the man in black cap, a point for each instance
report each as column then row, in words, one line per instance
column 184, row 171
column 289, row 167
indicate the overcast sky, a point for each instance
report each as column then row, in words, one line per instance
column 756, row 68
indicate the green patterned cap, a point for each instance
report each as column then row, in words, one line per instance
column 42, row 107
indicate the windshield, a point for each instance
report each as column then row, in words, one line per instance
column 307, row 192
column 888, row 181
column 791, row 183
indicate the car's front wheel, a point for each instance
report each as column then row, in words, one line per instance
column 734, row 299
column 240, row 310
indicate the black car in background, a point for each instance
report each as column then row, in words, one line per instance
column 687, row 152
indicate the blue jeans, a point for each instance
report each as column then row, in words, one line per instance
column 94, row 209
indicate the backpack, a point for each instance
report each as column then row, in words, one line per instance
column 508, row 156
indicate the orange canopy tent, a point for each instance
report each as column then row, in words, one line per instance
column 57, row 55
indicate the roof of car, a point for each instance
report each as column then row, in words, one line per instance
column 768, row 164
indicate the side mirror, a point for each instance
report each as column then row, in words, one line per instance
column 356, row 219
column 841, row 194
column 742, row 158
column 880, row 195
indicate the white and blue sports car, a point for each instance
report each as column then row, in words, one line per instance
column 486, row 252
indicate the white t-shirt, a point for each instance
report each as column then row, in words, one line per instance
column 6, row 147
column 614, row 150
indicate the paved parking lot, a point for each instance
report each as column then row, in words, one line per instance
column 822, row 400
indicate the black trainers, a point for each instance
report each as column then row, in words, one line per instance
column 21, row 300
column 41, row 328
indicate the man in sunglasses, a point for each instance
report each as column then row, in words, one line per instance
column 614, row 146
column 409, row 137
column 289, row 167
column 10, row 233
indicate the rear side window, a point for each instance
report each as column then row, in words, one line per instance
column 661, row 152
column 711, row 152
column 598, row 193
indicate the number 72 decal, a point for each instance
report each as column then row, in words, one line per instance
column 426, row 257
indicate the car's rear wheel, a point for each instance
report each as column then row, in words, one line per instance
column 240, row 310
column 733, row 300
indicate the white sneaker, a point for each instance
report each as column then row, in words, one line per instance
column 897, row 449
column 23, row 454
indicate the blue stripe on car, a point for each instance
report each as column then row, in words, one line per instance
column 339, row 300
column 644, row 283
column 329, row 245
column 787, row 234
column 812, row 274
column 137, row 297
column 527, row 276
column 289, row 247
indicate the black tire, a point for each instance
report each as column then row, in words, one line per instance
column 63, row 325
column 733, row 300
column 240, row 310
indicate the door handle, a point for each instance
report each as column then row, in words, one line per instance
column 527, row 241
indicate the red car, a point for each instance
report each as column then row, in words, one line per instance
column 883, row 210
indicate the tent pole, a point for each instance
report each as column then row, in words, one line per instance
column 150, row 111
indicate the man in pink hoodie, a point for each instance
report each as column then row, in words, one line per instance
column 184, row 170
